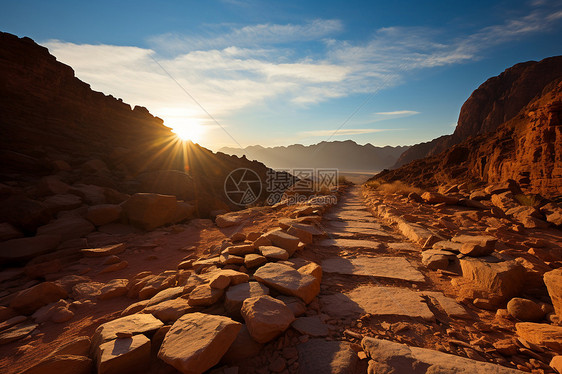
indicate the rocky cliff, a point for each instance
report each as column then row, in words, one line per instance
column 527, row 149
column 53, row 123
column 496, row 101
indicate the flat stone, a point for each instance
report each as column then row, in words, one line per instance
column 16, row 332
column 135, row 324
column 434, row 259
column 127, row 355
column 414, row 232
column 170, row 310
column 312, row 326
column 283, row 240
column 541, row 334
column 449, row 305
column 236, row 295
column 390, row 357
column 240, row 250
column 377, row 301
column 166, row 294
column 349, row 243
column 351, row 215
column 31, row 299
column 288, row 281
column 403, row 247
column 318, row 356
column 274, row 253
column 113, row 289
column 196, row 342
column 266, row 317
column 383, row 267
column 254, row 260
column 104, row 251
column 204, row 295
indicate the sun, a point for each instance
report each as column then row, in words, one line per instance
column 190, row 131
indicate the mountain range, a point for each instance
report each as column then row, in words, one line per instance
column 344, row 155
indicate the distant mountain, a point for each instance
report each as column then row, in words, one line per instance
column 496, row 101
column 344, row 155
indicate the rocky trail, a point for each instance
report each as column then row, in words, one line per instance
column 379, row 283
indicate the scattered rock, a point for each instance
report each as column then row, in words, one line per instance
column 204, row 295
column 437, row 198
column 240, row 250
column 113, row 289
column 553, row 282
column 274, row 253
column 236, row 295
column 434, row 259
column 283, row 240
column 86, row 290
column 196, row 342
column 31, row 299
column 266, row 317
column 135, row 324
column 541, row 334
column 126, row 355
column 113, row 249
column 288, row 281
column 115, row 267
column 169, row 310
column 254, row 260
column 524, row 309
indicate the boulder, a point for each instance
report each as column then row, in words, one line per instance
column 541, row 334
column 274, row 253
column 134, row 324
column 59, row 203
column 23, row 249
column 242, row 348
column 68, row 227
column 502, row 280
column 128, row 355
column 437, row 198
column 390, row 357
column 476, row 245
column 240, row 250
column 288, row 281
column 524, row 309
column 204, row 295
column 283, row 240
column 553, row 282
column 236, row 295
column 434, row 259
column 556, row 363
column 165, row 294
column 114, row 288
column 149, row 210
column 86, row 290
column 169, row 310
column 104, row 213
column 266, row 317
column 31, row 299
column 504, row 201
column 62, row 364
column 196, row 342
column 254, row 260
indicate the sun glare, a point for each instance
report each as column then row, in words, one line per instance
column 190, row 131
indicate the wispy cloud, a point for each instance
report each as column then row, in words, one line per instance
column 243, row 67
column 398, row 113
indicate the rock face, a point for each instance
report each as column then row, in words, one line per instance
column 196, row 342
column 496, row 101
column 519, row 140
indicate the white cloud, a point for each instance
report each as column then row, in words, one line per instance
column 398, row 113
column 247, row 66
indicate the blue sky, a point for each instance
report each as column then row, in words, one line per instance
column 285, row 72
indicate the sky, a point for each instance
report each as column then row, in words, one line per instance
column 245, row 72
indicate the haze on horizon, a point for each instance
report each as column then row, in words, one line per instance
column 284, row 73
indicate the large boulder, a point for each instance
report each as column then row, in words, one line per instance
column 134, row 324
column 104, row 213
column 31, row 299
column 196, row 342
column 524, row 309
column 149, row 210
column 23, row 249
column 266, row 317
column 553, row 282
column 541, row 334
column 283, row 240
column 68, row 227
column 499, row 280
column 288, row 281
column 125, row 355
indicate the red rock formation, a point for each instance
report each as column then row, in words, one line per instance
column 51, row 122
column 527, row 148
column 496, row 101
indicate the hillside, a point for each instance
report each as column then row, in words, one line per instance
column 526, row 149
column 53, row 124
column 496, row 101
column 343, row 155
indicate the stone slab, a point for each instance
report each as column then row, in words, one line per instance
column 349, row 243
column 383, row 267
